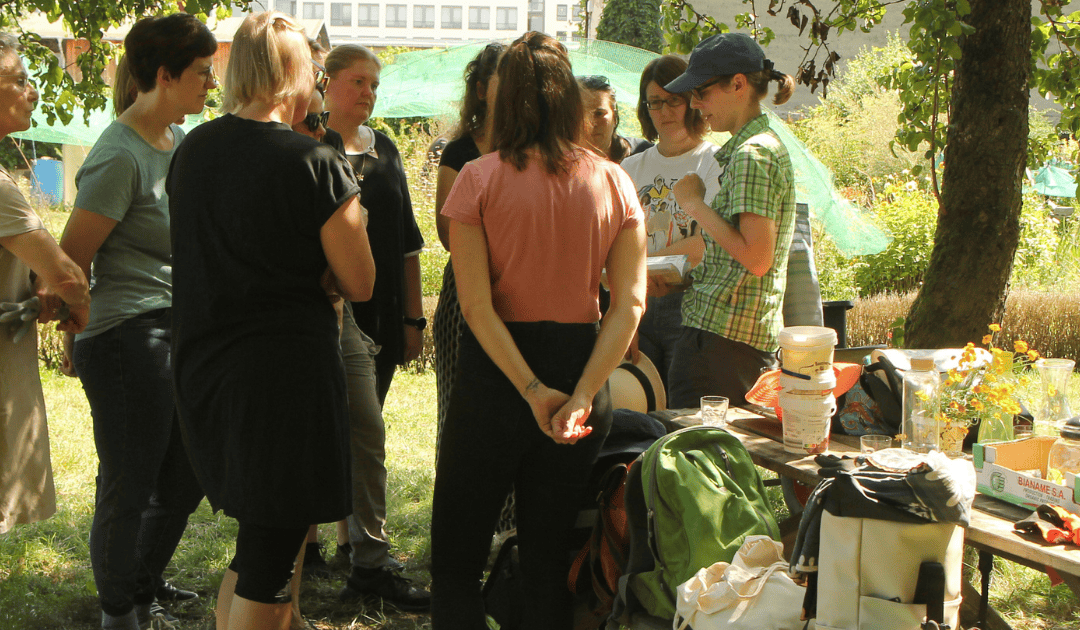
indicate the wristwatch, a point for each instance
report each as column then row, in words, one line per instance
column 418, row 323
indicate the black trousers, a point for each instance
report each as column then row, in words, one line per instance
column 490, row 444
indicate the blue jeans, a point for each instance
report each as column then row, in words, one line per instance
column 145, row 485
column 491, row 443
column 367, row 523
column 659, row 331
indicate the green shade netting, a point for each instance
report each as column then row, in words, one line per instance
column 852, row 229
column 429, row 83
column 1054, row 181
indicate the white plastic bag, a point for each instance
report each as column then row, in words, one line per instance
column 753, row 592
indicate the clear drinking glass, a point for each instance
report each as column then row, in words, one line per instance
column 714, row 411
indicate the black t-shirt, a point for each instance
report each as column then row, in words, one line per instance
column 392, row 232
column 259, row 379
column 459, row 152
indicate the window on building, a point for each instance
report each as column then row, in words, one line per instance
column 285, row 6
column 397, row 16
column 560, row 35
column 536, row 6
column 423, row 16
column 340, row 14
column 313, row 11
column 451, row 17
column 367, row 15
column 506, row 18
column 560, row 13
column 578, row 13
column 479, row 18
column 576, row 36
column 536, row 22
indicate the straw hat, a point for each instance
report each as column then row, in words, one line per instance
column 637, row 386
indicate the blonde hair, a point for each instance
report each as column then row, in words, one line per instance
column 265, row 63
column 345, row 55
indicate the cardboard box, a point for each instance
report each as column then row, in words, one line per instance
column 997, row 474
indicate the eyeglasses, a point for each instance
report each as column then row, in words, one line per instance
column 699, row 91
column 672, row 102
column 314, row 121
column 21, row 80
column 321, row 79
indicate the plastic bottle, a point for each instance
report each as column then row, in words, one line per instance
column 920, row 425
column 1065, row 453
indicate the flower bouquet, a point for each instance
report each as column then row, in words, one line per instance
column 982, row 387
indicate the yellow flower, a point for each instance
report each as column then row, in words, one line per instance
column 987, row 339
column 1020, row 346
column 995, row 327
column 978, row 405
column 1033, row 355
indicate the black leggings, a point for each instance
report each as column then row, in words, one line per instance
column 490, row 444
column 264, row 561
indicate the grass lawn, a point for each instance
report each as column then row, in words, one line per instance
column 46, row 582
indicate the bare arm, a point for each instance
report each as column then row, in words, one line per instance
column 59, row 278
column 83, row 235
column 692, row 246
column 469, row 254
column 447, row 177
column 752, row 245
column 345, row 242
column 626, row 278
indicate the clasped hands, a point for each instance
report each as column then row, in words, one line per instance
column 20, row 317
column 560, row 417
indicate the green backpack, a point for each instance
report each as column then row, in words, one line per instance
column 691, row 500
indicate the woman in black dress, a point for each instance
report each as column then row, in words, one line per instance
column 260, row 215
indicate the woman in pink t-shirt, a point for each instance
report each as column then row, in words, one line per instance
column 532, row 226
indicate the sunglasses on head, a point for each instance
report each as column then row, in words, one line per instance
column 321, row 79
column 313, row 121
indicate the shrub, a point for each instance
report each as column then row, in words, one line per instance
column 909, row 215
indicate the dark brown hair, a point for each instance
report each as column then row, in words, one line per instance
column 172, row 42
column 760, row 82
column 474, row 110
column 664, row 70
column 539, row 104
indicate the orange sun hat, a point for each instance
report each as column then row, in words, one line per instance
column 766, row 391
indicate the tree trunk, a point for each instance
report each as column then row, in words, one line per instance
column 978, row 227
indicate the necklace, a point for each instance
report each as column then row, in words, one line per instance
column 360, row 171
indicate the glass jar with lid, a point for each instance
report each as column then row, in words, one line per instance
column 1065, row 453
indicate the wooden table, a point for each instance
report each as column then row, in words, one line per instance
column 990, row 530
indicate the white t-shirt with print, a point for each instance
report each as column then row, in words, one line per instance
column 654, row 176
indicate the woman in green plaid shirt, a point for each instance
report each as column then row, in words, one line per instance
column 733, row 312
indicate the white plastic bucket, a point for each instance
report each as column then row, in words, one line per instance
column 818, row 385
column 807, row 349
column 806, row 422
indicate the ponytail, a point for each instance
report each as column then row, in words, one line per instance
column 760, row 81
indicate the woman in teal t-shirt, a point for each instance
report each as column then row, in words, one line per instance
column 120, row 228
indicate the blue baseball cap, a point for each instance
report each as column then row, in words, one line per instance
column 720, row 55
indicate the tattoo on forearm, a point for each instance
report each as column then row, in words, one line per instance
column 532, row 386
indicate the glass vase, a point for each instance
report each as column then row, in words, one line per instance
column 996, row 426
column 1055, row 409
column 953, row 433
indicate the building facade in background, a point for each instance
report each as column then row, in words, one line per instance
column 437, row 23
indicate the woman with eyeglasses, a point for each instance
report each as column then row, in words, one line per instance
column 263, row 219
column 601, row 120
column 532, row 225
column 733, row 311
column 678, row 131
column 118, row 233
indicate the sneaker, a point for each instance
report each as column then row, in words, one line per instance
column 385, row 584
column 169, row 593
column 314, row 565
